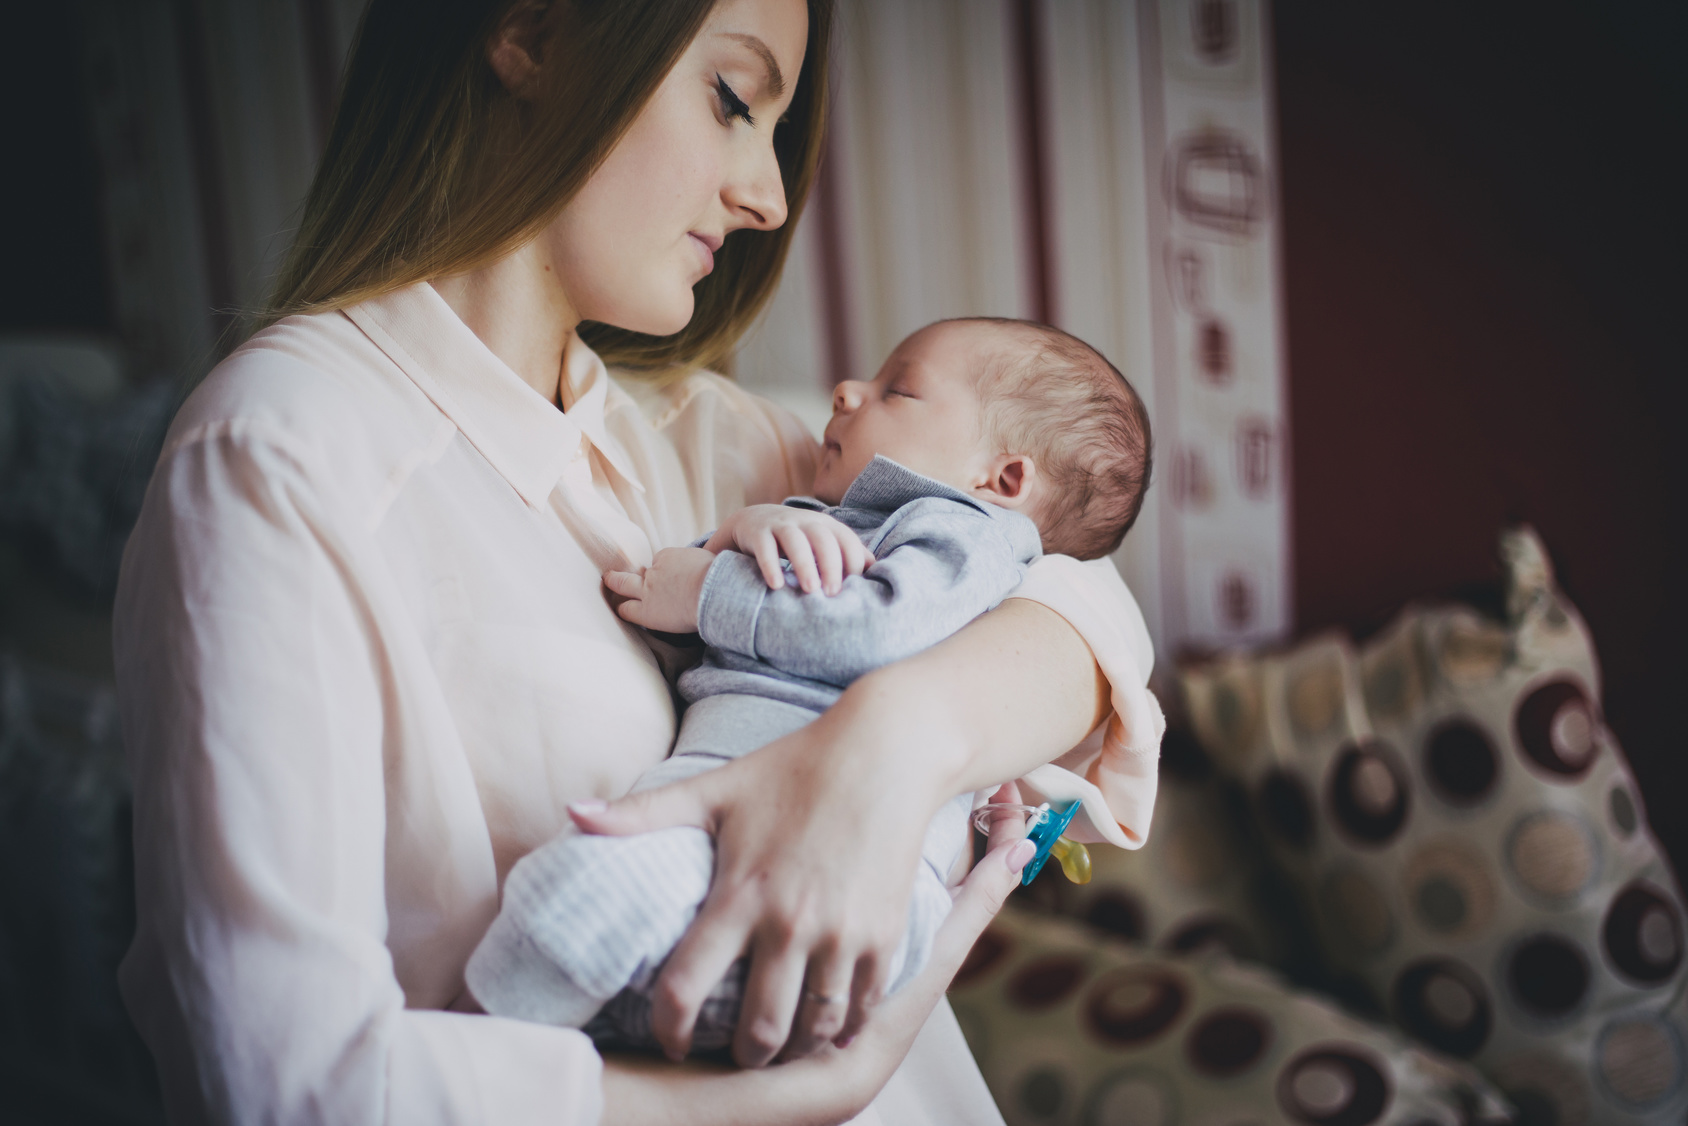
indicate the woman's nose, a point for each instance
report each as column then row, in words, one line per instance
column 847, row 396
column 756, row 197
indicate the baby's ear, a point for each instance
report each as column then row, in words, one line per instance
column 513, row 51
column 1013, row 478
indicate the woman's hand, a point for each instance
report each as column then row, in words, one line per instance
column 823, row 552
column 817, row 835
column 665, row 595
column 815, row 853
column 835, row 1084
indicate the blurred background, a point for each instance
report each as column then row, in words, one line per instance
column 1391, row 276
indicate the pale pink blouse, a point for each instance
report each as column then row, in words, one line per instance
column 364, row 661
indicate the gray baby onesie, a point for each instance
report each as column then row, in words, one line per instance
column 587, row 922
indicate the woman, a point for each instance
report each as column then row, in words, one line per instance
column 364, row 658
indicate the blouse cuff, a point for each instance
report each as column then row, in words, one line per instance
column 1114, row 772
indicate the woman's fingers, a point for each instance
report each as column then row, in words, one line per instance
column 867, row 989
column 771, row 998
column 683, row 803
column 796, row 547
column 824, row 1004
column 700, row 960
column 978, row 900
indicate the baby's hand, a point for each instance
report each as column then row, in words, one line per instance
column 665, row 596
column 822, row 550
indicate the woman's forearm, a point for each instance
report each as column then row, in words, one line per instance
column 1015, row 689
column 646, row 1090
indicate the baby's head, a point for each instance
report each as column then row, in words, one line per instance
column 1012, row 412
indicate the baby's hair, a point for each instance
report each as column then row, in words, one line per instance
column 1060, row 401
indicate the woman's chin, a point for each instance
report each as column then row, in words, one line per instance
column 652, row 319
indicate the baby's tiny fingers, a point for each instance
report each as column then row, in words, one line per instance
column 625, row 583
column 857, row 558
column 768, row 560
column 829, row 558
column 802, row 557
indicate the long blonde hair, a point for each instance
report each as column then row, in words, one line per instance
column 432, row 168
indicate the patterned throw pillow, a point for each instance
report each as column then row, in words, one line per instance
column 1071, row 1030
column 1471, row 845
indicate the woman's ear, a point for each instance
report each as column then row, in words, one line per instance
column 514, row 50
column 1011, row 481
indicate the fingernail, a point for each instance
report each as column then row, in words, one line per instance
column 1020, row 854
column 589, row 807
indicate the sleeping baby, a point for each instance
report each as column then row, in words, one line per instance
column 980, row 445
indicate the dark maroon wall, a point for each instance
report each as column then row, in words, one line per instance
column 1483, row 213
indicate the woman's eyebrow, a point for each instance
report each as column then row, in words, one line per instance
column 776, row 80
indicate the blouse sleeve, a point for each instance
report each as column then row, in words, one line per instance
column 1115, row 771
column 257, row 720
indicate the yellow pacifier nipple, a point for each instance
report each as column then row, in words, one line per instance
column 1074, row 858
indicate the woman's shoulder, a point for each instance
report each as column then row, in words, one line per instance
column 316, row 387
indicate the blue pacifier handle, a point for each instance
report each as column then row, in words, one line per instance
column 1044, row 834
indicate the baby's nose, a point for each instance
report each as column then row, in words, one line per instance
column 847, row 396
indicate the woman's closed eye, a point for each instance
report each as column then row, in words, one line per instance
column 731, row 104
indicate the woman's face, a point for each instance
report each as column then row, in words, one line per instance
column 697, row 164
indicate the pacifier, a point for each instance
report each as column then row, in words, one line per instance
column 1044, row 826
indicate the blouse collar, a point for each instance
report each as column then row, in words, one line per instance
column 526, row 439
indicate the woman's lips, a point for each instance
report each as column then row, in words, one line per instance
column 705, row 250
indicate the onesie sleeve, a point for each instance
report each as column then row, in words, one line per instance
column 938, row 565
column 256, row 717
column 1114, row 774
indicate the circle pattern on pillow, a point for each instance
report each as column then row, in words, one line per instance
column 1460, row 762
column 1552, row 854
column 1640, row 1061
column 1444, row 1003
column 1369, row 793
column 1136, row 1097
column 1643, row 934
column 1556, row 728
column 1188, row 1042
column 1228, row 1041
column 1547, row 976
column 1134, row 1005
column 1333, row 1086
column 1046, row 982
column 1448, row 885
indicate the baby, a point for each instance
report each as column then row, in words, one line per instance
column 979, row 445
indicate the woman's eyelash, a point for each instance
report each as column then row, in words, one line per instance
column 731, row 104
